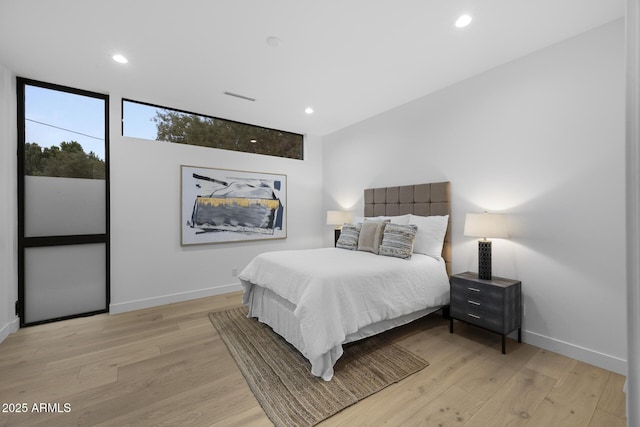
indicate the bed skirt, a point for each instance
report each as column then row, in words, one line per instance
column 277, row 312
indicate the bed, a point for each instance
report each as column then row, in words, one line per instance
column 320, row 299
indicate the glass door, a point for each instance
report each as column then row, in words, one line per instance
column 63, row 202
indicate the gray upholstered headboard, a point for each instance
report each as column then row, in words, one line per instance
column 421, row 199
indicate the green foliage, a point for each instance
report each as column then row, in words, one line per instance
column 183, row 128
column 68, row 161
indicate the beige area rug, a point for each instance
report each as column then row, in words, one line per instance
column 280, row 376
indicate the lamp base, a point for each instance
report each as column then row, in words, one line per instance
column 336, row 236
column 484, row 259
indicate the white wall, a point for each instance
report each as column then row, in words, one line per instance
column 148, row 264
column 541, row 139
column 8, row 213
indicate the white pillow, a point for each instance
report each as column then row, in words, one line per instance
column 358, row 220
column 430, row 235
column 400, row 219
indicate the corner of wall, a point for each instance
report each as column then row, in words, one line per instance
column 9, row 322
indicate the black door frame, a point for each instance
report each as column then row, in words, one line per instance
column 42, row 241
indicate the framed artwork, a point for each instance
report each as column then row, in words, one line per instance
column 222, row 205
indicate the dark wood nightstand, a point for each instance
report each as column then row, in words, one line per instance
column 495, row 305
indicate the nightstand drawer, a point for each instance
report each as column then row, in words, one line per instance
column 479, row 292
column 486, row 317
column 466, row 303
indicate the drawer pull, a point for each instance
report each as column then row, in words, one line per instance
column 474, row 289
column 473, row 315
column 473, row 302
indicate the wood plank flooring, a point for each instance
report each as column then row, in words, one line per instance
column 168, row 366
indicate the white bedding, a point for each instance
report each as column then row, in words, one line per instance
column 335, row 293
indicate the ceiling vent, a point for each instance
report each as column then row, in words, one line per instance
column 246, row 98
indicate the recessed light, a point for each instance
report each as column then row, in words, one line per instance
column 308, row 110
column 463, row 21
column 253, row 141
column 119, row 58
column 273, row 41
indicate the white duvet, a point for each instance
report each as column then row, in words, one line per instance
column 336, row 292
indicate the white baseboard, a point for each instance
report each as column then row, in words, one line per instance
column 592, row 357
column 169, row 299
column 9, row 328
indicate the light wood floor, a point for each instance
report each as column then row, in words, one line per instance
column 168, row 366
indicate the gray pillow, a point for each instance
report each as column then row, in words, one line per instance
column 397, row 240
column 371, row 236
column 349, row 237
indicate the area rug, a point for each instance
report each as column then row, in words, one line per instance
column 280, row 377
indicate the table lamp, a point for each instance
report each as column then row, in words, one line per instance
column 485, row 225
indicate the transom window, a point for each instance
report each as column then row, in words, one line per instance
column 147, row 121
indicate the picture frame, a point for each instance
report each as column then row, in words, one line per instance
column 226, row 205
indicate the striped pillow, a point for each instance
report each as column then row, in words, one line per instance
column 398, row 239
column 349, row 237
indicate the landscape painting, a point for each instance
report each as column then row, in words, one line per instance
column 221, row 205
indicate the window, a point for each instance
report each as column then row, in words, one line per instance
column 63, row 202
column 141, row 120
column 64, row 133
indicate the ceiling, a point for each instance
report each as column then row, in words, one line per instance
column 347, row 59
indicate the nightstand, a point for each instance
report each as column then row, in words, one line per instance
column 495, row 305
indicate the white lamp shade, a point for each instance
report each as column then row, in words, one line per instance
column 338, row 217
column 486, row 225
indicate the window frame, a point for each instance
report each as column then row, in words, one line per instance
column 47, row 241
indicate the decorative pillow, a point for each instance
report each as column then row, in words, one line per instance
column 398, row 239
column 430, row 236
column 371, row 236
column 349, row 237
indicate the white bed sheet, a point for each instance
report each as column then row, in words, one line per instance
column 337, row 296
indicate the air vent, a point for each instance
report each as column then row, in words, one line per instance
column 246, row 98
